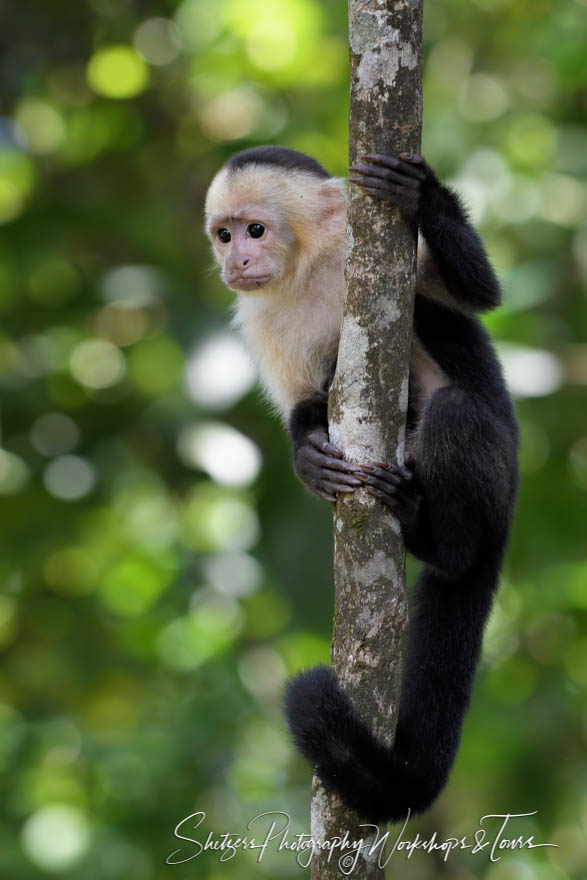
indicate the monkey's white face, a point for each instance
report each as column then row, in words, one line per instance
column 249, row 248
column 269, row 227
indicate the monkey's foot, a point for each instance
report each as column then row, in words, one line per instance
column 397, row 487
column 398, row 179
column 322, row 468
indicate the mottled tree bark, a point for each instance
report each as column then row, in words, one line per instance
column 369, row 398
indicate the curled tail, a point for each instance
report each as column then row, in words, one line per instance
column 381, row 783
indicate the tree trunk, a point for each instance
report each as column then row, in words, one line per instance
column 369, row 398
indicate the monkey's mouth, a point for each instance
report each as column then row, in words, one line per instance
column 249, row 282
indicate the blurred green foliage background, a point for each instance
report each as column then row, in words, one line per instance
column 162, row 572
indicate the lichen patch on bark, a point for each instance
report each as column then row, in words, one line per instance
column 317, row 815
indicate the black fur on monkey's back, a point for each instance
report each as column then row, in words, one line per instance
column 463, row 449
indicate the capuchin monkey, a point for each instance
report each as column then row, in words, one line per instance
column 276, row 220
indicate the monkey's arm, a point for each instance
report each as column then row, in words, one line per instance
column 317, row 462
column 453, row 265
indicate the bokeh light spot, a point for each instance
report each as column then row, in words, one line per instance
column 117, row 72
column 208, row 630
column 14, row 473
column 531, row 140
column 97, row 363
column 223, row 452
column 530, row 372
column 272, row 44
column 564, row 200
column 483, row 98
column 199, row 22
column 158, row 41
column 219, row 372
column 56, row 837
column 234, row 574
column 69, row 477
column 42, row 124
column 133, row 585
column 132, row 287
column 149, row 517
column 232, row 115
column 213, row 520
column 262, row 671
column 121, row 325
column 17, row 178
column 449, row 62
column 156, row 365
column 54, row 434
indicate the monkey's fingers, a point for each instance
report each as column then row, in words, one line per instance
column 396, row 494
column 403, row 166
column 386, row 471
column 333, row 483
column 322, row 464
column 394, row 480
column 404, row 198
column 326, row 496
column 416, row 158
column 372, row 183
column 382, row 471
column 334, row 455
column 342, row 467
column 369, row 172
column 320, row 440
column 396, row 487
column 376, row 192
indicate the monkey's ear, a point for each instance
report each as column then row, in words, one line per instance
column 333, row 200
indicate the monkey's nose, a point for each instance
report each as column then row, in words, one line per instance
column 245, row 262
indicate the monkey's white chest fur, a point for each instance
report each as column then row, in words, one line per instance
column 293, row 336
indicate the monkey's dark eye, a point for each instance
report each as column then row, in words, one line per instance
column 224, row 235
column 255, row 230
